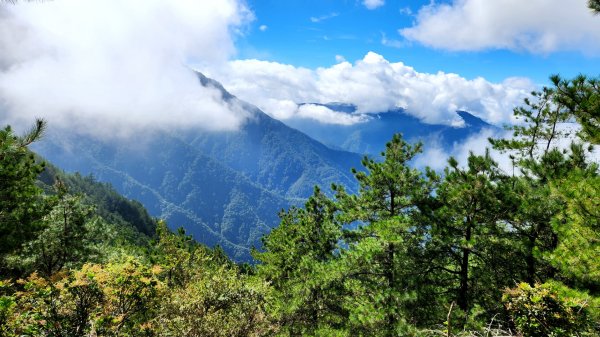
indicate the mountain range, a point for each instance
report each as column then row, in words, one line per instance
column 226, row 188
column 370, row 136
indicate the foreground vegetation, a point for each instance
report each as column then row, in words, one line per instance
column 472, row 251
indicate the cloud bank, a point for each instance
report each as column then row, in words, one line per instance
column 536, row 26
column 116, row 64
column 436, row 157
column 373, row 84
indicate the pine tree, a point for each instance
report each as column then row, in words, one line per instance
column 379, row 263
column 581, row 98
column 21, row 206
column 297, row 260
column 465, row 226
column 66, row 237
column 578, row 229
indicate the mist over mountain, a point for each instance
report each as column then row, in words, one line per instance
column 226, row 187
column 223, row 187
column 370, row 136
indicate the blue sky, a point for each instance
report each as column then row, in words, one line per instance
column 310, row 33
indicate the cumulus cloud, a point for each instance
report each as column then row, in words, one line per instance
column 263, row 28
column 373, row 4
column 536, row 26
column 106, row 64
column 373, row 84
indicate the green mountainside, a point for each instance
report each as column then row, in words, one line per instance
column 224, row 188
column 128, row 215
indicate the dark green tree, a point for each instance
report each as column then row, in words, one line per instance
column 67, row 236
column 387, row 188
column 297, row 260
column 21, row 204
column 594, row 5
column 534, row 149
column 465, row 230
column 581, row 98
column 537, row 128
column 577, row 225
column 379, row 264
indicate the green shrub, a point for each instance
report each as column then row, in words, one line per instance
column 546, row 310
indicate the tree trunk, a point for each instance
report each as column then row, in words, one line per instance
column 391, row 305
column 530, row 260
column 463, row 294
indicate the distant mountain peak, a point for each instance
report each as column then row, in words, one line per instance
column 471, row 120
column 209, row 82
column 348, row 108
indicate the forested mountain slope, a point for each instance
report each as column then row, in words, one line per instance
column 225, row 188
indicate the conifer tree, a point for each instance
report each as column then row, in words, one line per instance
column 581, row 97
column 296, row 261
column 21, row 207
column 465, row 225
column 379, row 262
column 66, row 237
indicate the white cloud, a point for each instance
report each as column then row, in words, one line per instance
column 373, row 84
column 436, row 157
column 317, row 19
column 373, row 4
column 406, row 11
column 263, row 28
column 326, row 115
column 391, row 42
column 537, row 26
column 340, row 58
column 106, row 64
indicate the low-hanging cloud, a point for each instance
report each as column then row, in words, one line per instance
column 373, row 84
column 117, row 65
column 536, row 26
column 436, row 157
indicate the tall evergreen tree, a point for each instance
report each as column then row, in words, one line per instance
column 21, row 207
column 380, row 260
column 581, row 97
column 297, row 260
column 534, row 147
column 465, row 227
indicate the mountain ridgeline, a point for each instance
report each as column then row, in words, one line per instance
column 370, row 136
column 129, row 216
column 224, row 188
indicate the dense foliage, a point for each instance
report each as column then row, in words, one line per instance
column 413, row 251
column 473, row 250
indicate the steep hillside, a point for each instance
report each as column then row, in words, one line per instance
column 129, row 217
column 224, row 188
